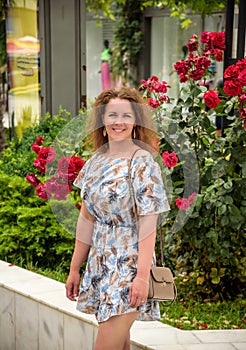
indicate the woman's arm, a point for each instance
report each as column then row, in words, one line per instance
column 84, row 232
column 146, row 246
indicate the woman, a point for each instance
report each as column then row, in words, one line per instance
column 119, row 243
column 105, row 66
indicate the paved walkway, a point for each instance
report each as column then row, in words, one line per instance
column 144, row 335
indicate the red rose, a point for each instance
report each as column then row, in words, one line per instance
column 51, row 185
column 218, row 40
column 202, row 62
column 62, row 191
column 183, row 78
column 58, row 188
column 191, row 198
column 39, row 140
column 182, row 67
column 153, row 103
column 205, row 37
column 182, row 203
column 67, row 176
column 161, row 87
column 69, row 167
column 211, row 98
column 218, row 55
column 192, row 45
column 242, row 113
column 33, row 180
column 78, row 206
column 244, row 125
column 241, row 64
column 242, row 99
column 47, row 155
column 39, row 164
column 77, row 163
column 170, row 159
column 232, row 87
column 197, row 74
column 40, row 192
column 231, row 72
column 242, row 77
column 36, row 148
column 164, row 98
column 63, row 164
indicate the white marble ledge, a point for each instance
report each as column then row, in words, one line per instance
column 144, row 335
column 40, row 288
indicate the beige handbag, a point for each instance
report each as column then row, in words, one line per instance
column 161, row 282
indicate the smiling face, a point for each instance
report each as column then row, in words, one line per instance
column 119, row 119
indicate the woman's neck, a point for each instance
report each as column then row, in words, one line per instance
column 121, row 147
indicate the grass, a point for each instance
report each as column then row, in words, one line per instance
column 186, row 313
column 195, row 315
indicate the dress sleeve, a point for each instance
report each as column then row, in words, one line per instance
column 149, row 192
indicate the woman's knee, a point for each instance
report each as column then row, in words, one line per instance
column 114, row 333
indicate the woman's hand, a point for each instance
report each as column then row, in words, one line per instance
column 138, row 292
column 72, row 285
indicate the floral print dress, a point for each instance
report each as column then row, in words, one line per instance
column 113, row 257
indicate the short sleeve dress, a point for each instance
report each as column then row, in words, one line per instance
column 113, row 257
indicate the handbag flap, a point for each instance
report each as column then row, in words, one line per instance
column 162, row 274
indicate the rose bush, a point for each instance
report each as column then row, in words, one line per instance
column 60, row 184
column 209, row 243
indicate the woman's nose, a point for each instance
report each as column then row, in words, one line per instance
column 119, row 120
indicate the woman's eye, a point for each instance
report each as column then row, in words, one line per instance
column 128, row 115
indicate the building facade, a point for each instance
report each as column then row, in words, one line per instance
column 67, row 43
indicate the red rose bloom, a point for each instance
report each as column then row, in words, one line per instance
column 242, row 77
column 183, row 78
column 39, row 164
column 182, row 67
column 62, row 191
column 241, row 64
column 197, row 74
column 232, row 87
column 218, row 55
column 153, row 103
column 39, row 140
column 231, row 72
column 58, row 188
column 161, row 87
column 218, row 40
column 33, row 180
column 205, row 37
column 192, row 44
column 47, row 155
column 242, row 99
column 242, row 113
column 41, row 193
column 77, row 163
column 191, row 198
column 36, row 148
column 182, row 203
column 211, row 98
column 202, row 62
column 170, row 159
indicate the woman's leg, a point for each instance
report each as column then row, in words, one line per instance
column 127, row 342
column 114, row 333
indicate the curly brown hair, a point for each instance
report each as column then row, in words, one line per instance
column 145, row 130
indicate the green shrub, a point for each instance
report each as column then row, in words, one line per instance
column 18, row 158
column 29, row 231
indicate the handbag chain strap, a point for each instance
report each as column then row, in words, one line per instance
column 134, row 208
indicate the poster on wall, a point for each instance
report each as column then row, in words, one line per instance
column 23, row 52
